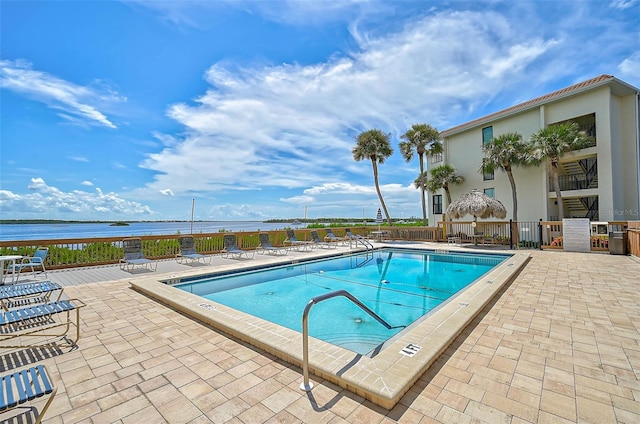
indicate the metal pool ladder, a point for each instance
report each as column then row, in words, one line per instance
column 306, row 385
column 364, row 242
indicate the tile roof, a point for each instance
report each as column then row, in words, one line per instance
column 600, row 80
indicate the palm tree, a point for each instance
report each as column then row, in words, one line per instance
column 441, row 177
column 374, row 145
column 551, row 143
column 425, row 140
column 504, row 152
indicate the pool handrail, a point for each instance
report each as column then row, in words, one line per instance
column 306, row 385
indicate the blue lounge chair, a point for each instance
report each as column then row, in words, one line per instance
column 18, row 295
column 37, row 320
column 297, row 244
column 33, row 262
column 266, row 246
column 231, row 249
column 24, row 385
column 316, row 240
column 133, row 256
column 188, row 251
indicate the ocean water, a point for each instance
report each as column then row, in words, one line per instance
column 88, row 230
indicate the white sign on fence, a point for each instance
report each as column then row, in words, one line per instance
column 576, row 235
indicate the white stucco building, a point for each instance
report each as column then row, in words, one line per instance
column 601, row 182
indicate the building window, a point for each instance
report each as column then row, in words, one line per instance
column 487, row 136
column 491, row 192
column 437, row 203
column 438, row 157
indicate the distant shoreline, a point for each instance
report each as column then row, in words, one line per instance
column 275, row 220
column 62, row 221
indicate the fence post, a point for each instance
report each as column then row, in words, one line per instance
column 540, row 234
column 511, row 234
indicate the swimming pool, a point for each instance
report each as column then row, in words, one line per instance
column 400, row 286
column 382, row 379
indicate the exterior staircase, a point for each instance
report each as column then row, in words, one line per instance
column 583, row 169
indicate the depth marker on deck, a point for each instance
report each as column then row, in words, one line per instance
column 410, row 349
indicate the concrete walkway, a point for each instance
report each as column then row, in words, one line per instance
column 560, row 344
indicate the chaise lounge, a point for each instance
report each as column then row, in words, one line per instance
column 266, row 246
column 324, row 244
column 297, row 244
column 335, row 239
column 133, row 256
column 38, row 319
column 231, row 249
column 24, row 385
column 19, row 295
column 188, row 251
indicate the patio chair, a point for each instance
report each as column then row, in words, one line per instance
column 335, row 239
column 24, row 385
column 19, row 295
column 188, row 251
column 33, row 262
column 266, row 246
column 316, row 240
column 37, row 320
column 133, row 256
column 352, row 236
column 231, row 249
column 297, row 244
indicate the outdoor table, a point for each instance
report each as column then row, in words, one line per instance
column 11, row 259
column 379, row 235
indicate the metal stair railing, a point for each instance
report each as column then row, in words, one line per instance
column 306, row 385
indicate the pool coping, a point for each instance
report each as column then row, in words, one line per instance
column 383, row 379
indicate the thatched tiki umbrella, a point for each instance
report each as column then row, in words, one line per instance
column 477, row 204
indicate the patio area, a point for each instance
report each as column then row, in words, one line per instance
column 560, row 344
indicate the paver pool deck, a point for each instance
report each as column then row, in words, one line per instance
column 560, row 344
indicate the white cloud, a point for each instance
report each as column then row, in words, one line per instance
column 79, row 104
column 292, row 126
column 45, row 200
column 630, row 67
column 237, row 212
column 623, row 4
column 87, row 183
column 166, row 192
column 297, row 200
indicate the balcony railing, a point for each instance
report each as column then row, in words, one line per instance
column 574, row 182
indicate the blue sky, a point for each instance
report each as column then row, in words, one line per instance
column 129, row 110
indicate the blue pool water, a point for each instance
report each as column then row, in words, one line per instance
column 399, row 285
